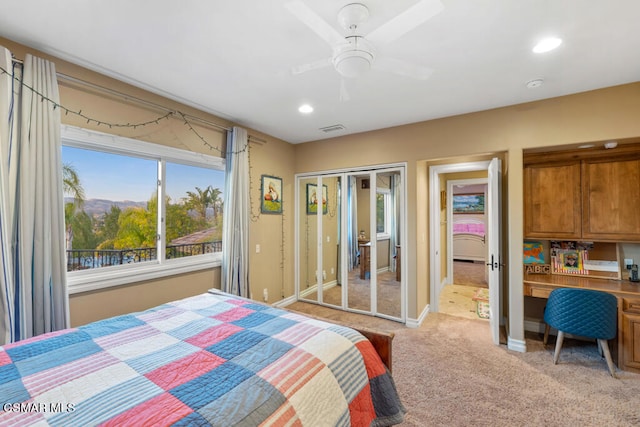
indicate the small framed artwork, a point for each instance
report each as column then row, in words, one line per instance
column 468, row 203
column 313, row 199
column 533, row 253
column 271, row 194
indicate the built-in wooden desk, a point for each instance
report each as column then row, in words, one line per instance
column 628, row 294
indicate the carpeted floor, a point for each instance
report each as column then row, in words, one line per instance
column 449, row 373
column 470, row 274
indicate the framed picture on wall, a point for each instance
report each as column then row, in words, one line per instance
column 271, row 194
column 468, row 203
column 313, row 198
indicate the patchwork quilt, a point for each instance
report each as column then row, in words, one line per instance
column 207, row 360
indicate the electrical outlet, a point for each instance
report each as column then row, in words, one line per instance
column 265, row 294
column 324, row 275
column 257, row 249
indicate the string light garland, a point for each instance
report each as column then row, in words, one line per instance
column 171, row 113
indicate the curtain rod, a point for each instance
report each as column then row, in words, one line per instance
column 150, row 104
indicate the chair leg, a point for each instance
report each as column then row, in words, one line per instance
column 546, row 334
column 604, row 346
column 559, row 340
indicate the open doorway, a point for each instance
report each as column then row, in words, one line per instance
column 441, row 220
column 466, row 292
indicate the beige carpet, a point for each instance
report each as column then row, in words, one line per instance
column 469, row 273
column 449, row 373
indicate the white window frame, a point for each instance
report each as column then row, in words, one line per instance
column 385, row 235
column 104, row 277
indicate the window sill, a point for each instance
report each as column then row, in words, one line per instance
column 84, row 281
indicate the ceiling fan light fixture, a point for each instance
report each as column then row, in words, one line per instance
column 354, row 58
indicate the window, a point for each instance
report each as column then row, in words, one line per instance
column 383, row 213
column 136, row 211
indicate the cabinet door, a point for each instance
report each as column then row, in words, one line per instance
column 611, row 200
column 631, row 337
column 552, row 201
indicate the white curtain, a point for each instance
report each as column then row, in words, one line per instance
column 235, row 230
column 34, row 292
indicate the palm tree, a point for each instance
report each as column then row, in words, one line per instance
column 71, row 186
column 200, row 201
column 216, row 201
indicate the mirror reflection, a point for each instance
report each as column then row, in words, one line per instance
column 350, row 248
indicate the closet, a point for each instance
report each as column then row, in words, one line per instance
column 350, row 228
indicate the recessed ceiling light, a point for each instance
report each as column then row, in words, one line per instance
column 545, row 45
column 305, row 109
column 583, row 146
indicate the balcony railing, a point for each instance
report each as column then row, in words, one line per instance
column 84, row 259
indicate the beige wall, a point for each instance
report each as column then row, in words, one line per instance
column 90, row 306
column 599, row 115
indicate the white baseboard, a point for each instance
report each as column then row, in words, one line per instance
column 285, row 302
column 516, row 345
column 415, row 323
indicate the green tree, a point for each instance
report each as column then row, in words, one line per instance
column 83, row 235
column 200, row 201
column 216, row 202
column 136, row 229
column 108, row 231
column 179, row 222
column 71, row 186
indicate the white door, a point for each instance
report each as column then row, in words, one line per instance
column 494, row 256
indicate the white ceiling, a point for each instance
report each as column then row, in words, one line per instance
column 233, row 58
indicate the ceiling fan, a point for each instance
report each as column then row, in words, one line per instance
column 354, row 54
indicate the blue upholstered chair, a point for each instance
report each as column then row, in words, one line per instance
column 585, row 313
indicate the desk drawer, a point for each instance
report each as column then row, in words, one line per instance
column 631, row 305
column 536, row 291
column 540, row 292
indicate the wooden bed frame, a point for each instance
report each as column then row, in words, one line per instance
column 381, row 341
column 469, row 246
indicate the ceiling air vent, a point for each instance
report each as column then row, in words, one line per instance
column 332, row 128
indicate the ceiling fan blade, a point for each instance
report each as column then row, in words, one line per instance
column 321, row 63
column 405, row 22
column 315, row 22
column 403, row 68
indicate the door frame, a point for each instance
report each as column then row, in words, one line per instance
column 435, row 220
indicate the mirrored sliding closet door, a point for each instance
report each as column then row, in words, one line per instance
column 350, row 231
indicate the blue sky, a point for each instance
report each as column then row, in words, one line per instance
column 118, row 178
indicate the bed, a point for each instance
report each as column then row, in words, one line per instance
column 212, row 359
column 469, row 239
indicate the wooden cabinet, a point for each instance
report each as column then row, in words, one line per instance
column 630, row 330
column 552, row 201
column 583, row 195
column 611, row 200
